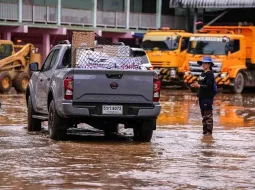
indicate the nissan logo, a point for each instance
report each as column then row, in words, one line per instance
column 114, row 85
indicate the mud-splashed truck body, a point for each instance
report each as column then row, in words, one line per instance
column 233, row 50
column 166, row 50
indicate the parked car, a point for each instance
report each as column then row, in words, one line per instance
column 102, row 98
column 139, row 52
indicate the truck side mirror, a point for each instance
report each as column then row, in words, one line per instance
column 33, row 67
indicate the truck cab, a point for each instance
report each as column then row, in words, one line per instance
column 231, row 50
column 166, row 50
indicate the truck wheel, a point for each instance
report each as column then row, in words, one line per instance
column 5, row 82
column 32, row 123
column 143, row 132
column 238, row 84
column 21, row 81
column 111, row 128
column 57, row 126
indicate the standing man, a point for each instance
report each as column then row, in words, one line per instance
column 207, row 90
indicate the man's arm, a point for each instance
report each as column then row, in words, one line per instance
column 209, row 81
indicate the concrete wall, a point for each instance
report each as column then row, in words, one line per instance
column 88, row 4
column 106, row 5
column 113, row 5
column 139, row 6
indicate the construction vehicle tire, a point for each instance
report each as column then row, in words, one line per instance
column 21, row 81
column 238, row 84
column 5, row 82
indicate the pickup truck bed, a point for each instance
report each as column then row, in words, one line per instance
column 102, row 98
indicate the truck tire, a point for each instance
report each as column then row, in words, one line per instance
column 57, row 126
column 110, row 129
column 144, row 131
column 5, row 82
column 32, row 123
column 21, row 81
column 238, row 84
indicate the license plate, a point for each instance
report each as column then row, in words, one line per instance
column 112, row 110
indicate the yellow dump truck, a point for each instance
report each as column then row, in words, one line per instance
column 14, row 65
column 233, row 50
column 166, row 50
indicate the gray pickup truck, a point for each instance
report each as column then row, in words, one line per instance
column 66, row 96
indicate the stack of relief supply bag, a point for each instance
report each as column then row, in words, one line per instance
column 89, row 59
column 107, row 57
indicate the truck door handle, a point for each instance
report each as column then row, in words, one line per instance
column 114, row 75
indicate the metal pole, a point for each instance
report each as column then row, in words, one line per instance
column 127, row 10
column 158, row 13
column 116, row 19
column 217, row 18
column 47, row 14
column 20, row 11
column 95, row 13
column 59, row 13
column 195, row 20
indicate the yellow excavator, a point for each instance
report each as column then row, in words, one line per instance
column 14, row 65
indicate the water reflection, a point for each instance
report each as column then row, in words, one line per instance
column 178, row 108
column 181, row 108
column 13, row 109
column 179, row 156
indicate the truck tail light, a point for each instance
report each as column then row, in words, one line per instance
column 68, row 88
column 156, row 90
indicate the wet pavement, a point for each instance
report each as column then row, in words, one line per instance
column 178, row 157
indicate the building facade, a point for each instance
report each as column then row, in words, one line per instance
column 45, row 22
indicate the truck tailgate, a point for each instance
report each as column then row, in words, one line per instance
column 113, row 86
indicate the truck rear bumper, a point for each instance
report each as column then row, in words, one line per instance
column 68, row 110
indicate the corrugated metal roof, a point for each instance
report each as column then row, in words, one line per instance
column 212, row 3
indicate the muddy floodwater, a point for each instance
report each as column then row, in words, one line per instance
column 178, row 157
